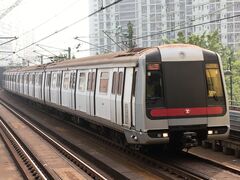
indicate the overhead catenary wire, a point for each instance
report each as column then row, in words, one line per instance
column 68, row 26
column 92, row 44
column 46, row 50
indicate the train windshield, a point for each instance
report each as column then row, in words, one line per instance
column 185, row 84
column 214, row 85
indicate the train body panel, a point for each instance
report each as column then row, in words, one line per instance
column 152, row 95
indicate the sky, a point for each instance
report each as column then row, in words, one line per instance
column 36, row 19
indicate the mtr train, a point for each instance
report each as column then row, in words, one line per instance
column 171, row 94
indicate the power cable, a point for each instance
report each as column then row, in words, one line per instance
column 68, row 26
column 93, row 44
column 45, row 49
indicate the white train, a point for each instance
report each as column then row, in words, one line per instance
column 167, row 94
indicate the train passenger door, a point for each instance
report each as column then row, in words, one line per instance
column 81, row 91
column 47, row 86
column 113, row 96
column 54, row 88
column 58, row 85
column 103, row 93
column 90, row 102
column 37, row 88
column 116, row 95
column 127, row 99
column 66, row 88
column 72, row 89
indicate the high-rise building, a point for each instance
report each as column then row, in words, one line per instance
column 153, row 20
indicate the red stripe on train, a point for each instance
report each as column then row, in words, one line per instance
column 197, row 111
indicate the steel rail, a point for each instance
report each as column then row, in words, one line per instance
column 80, row 163
column 29, row 167
column 154, row 165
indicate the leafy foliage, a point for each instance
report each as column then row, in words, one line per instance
column 229, row 58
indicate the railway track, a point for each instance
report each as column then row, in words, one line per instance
column 29, row 165
column 154, row 164
column 34, row 169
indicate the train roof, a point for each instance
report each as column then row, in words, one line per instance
column 130, row 56
column 110, row 58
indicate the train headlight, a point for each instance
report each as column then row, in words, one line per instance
column 165, row 135
column 210, row 132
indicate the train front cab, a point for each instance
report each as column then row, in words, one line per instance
column 183, row 94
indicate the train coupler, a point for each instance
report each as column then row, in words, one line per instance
column 190, row 140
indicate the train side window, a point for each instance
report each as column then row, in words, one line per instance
column 19, row 78
column 120, row 83
column 134, row 83
column 73, row 82
column 114, row 84
column 104, row 82
column 30, row 78
column 89, row 84
column 58, row 83
column 66, row 81
column 54, row 80
column 27, row 79
column 48, row 82
column 22, row 78
column 40, row 79
column 82, row 81
column 93, row 81
column 33, row 79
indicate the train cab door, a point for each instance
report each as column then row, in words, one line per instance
column 133, row 97
column 113, row 96
column 72, row 89
column 119, row 97
column 127, row 99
